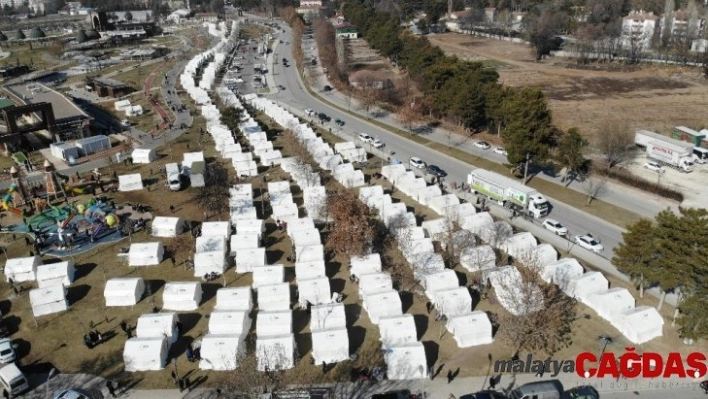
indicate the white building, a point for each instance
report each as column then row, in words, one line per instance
column 638, row 29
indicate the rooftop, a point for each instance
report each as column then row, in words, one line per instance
column 6, row 102
column 109, row 82
column 34, row 93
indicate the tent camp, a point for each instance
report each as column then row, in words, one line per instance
column 310, row 270
column 589, row 283
column 221, row 352
column 562, row 272
column 274, row 297
column 471, row 329
column 48, row 300
column 268, row 275
column 367, row 264
column 459, row 212
column 230, row 322
column 406, row 362
column 443, row 280
column 315, row 291
column 158, row 325
column 398, row 330
column 274, row 323
column 182, row 296
column 642, row 324
column 216, row 229
column 234, row 298
column 146, row 254
column 145, row 354
column 55, row 273
column 275, row 352
column 330, row 316
column 330, row 346
column 143, row 155
column 479, row 258
column 22, row 269
column 163, row 226
column 247, row 259
column 383, row 304
column 374, row 283
column 124, row 291
column 309, row 253
column 244, row 241
column 132, row 182
column 452, row 302
column 611, row 304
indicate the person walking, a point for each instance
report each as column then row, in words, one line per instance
column 111, row 389
column 493, row 382
column 449, row 376
column 5, row 394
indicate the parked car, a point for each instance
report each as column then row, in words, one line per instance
column 488, row 394
column 125, row 122
column 309, row 112
column 339, row 122
column 285, row 60
column 376, row 143
column 582, row 392
column 435, row 170
column 7, row 351
column 365, row 137
column 417, row 163
column 654, row 167
column 403, row 394
column 70, row 394
column 324, row 117
column 501, row 151
column 555, row 226
column 483, row 145
column 327, row 88
column 589, row 242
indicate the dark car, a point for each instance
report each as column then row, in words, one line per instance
column 405, row 394
column 485, row 395
column 285, row 60
column 328, row 88
column 339, row 122
column 324, row 117
column 435, row 170
column 582, row 392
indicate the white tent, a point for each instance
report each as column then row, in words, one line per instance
column 438, row 229
column 221, row 352
column 306, row 238
column 520, row 245
column 163, row 226
column 330, row 316
column 216, row 229
column 611, row 303
column 211, row 244
column 234, row 298
column 330, row 346
column 367, row 192
column 244, row 241
column 406, row 362
column 309, row 253
column 453, row 302
column 398, row 330
column 247, row 259
column 444, row 203
column 477, row 223
column 189, row 159
column 48, row 300
column 459, row 212
column 479, row 258
column 510, row 292
column 562, row 272
column 274, row 297
column 642, row 324
column 383, row 304
column 132, row 182
column 471, row 329
column 230, row 322
column 276, row 352
column 124, row 291
column 315, row 291
column 274, row 323
column 589, row 283
column 540, row 256
column 427, row 263
column 209, row 262
column 498, row 233
column 158, row 325
column 145, row 354
column 22, row 269
column 144, row 155
column 367, row 264
column 310, row 270
column 301, row 224
column 444, row 280
column 55, row 273
column 250, row 226
column 146, row 254
column 182, row 296
column 268, row 275
column 392, row 172
column 374, row 283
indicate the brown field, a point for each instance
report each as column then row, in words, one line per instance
column 648, row 97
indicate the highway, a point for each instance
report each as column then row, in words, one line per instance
column 298, row 99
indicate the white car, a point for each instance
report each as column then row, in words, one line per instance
column 483, row 145
column 376, row 143
column 589, row 242
column 417, row 163
column 7, row 351
column 654, row 167
column 309, row 112
column 501, row 151
column 125, row 122
column 555, row 226
column 365, row 138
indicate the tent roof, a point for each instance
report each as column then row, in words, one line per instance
column 145, row 247
column 368, row 264
column 327, row 316
column 233, row 298
column 214, row 243
column 165, row 222
column 23, row 264
column 274, row 323
column 122, row 286
column 219, row 229
column 316, row 291
column 455, row 301
column 444, row 280
column 398, row 330
column 54, row 270
column 268, row 275
column 406, row 362
column 229, row 322
column 375, row 283
column 181, row 289
column 310, row 269
column 478, row 258
column 274, row 297
column 45, row 295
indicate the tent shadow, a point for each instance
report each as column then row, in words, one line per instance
column 357, row 335
column 462, row 278
column 352, row 311
column 304, row 344
column 273, row 256
column 421, row 324
column 77, row 293
column 209, row 291
column 432, row 351
column 337, row 285
column 332, row 269
column 301, row 319
column 5, row 306
column 189, row 321
column 406, row 300
column 180, row 347
column 152, row 286
column 84, row 270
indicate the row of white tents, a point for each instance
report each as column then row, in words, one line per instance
column 52, row 279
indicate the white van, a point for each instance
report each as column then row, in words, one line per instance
column 12, row 379
column 552, row 389
column 172, row 175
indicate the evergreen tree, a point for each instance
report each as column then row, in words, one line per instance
column 634, row 255
column 570, row 153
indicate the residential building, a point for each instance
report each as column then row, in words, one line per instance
column 310, row 3
column 347, row 31
column 310, row 12
column 638, row 29
column 491, row 14
column 680, row 24
column 376, row 80
column 41, row 7
column 699, row 46
column 106, row 87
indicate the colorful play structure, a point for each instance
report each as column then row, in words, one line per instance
column 7, row 201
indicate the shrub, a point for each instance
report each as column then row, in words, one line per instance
column 640, row 183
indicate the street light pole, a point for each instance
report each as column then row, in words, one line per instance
column 52, row 372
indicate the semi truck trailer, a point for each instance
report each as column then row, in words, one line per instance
column 666, row 151
column 508, row 192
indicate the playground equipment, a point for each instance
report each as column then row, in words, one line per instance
column 7, row 200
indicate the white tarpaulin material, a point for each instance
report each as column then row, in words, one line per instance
column 611, row 304
column 562, row 272
column 398, row 330
column 459, row 212
column 48, row 300
column 145, row 254
column 444, row 203
column 382, row 305
column 247, row 259
column 55, row 273
column 268, row 275
column 163, row 226
column 471, row 329
column 216, row 229
column 541, row 255
column 367, row 264
column 330, row 316
column 315, row 291
column 132, row 182
column 221, row 352
column 453, row 302
column 145, row 354
column 209, row 262
column 244, row 241
column 22, row 269
column 143, row 155
column 510, row 293
column 370, row 284
column 406, row 362
column 443, row 280
column 158, row 325
column 477, row 223
column 330, row 346
column 276, row 352
column 229, row 322
column 182, row 296
column 306, row 238
column 642, row 324
column 274, row 323
column 244, row 226
column 234, row 298
column 124, row 291
column 310, row 270
column 589, row 283
column 309, row 253
column 476, row 259
column 274, row 297
column 438, row 229
column 520, row 245
column 211, row 244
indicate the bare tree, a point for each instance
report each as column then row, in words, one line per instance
column 368, row 96
column 408, row 116
column 594, row 187
column 214, row 196
column 348, row 94
column 352, row 228
column 497, row 233
column 505, row 22
column 615, row 141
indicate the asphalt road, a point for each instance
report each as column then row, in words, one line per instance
column 298, row 99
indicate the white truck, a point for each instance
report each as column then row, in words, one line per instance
column 508, row 192
column 173, row 176
column 667, row 151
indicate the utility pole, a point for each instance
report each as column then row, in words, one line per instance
column 526, row 168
